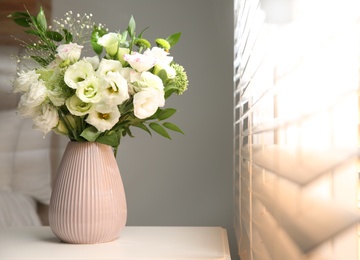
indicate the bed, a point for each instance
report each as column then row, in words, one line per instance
column 28, row 160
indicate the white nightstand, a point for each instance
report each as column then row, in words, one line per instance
column 196, row 243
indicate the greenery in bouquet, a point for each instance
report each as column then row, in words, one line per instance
column 96, row 98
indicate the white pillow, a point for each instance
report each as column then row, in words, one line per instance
column 32, row 165
column 9, row 132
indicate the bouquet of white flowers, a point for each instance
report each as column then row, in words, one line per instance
column 96, row 98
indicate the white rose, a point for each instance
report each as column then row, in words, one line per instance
column 147, row 101
column 77, row 73
column 25, row 80
column 140, row 62
column 77, row 107
column 103, row 117
column 70, row 52
column 115, row 88
column 89, row 90
column 110, row 42
column 46, row 119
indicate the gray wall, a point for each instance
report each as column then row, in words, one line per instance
column 186, row 181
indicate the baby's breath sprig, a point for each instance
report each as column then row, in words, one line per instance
column 68, row 29
column 77, row 27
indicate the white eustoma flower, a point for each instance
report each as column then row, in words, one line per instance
column 108, row 65
column 77, row 107
column 120, row 55
column 94, row 61
column 46, row 119
column 56, row 97
column 110, row 42
column 24, row 109
column 77, row 73
column 103, row 117
column 89, row 90
column 161, row 56
column 70, row 52
column 24, row 80
column 147, row 101
column 140, row 62
column 162, row 61
column 149, row 80
column 131, row 76
column 115, row 88
column 35, row 96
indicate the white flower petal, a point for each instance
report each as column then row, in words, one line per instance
column 140, row 62
column 25, row 80
column 108, row 65
column 147, row 101
column 77, row 107
column 89, row 90
column 77, row 73
column 70, row 52
column 115, row 88
column 103, row 120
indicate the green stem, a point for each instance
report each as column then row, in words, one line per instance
column 72, row 132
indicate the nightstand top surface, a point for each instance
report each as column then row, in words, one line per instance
column 133, row 243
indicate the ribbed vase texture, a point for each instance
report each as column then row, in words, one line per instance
column 88, row 203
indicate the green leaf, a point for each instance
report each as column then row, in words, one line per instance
column 55, row 36
column 32, row 32
column 169, row 92
column 140, row 35
column 166, row 113
column 173, row 39
column 18, row 15
column 41, row 20
column 24, row 22
column 43, row 62
column 68, row 36
column 90, row 133
column 123, row 36
column 170, row 86
column 96, row 47
column 97, row 33
column 163, row 75
column 143, row 127
column 21, row 18
column 131, row 27
column 173, row 127
column 111, row 139
column 159, row 129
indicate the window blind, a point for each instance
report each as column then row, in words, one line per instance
column 296, row 129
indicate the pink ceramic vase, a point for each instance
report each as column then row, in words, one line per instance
column 88, row 202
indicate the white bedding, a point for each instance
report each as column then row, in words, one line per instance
column 25, row 170
column 17, row 209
